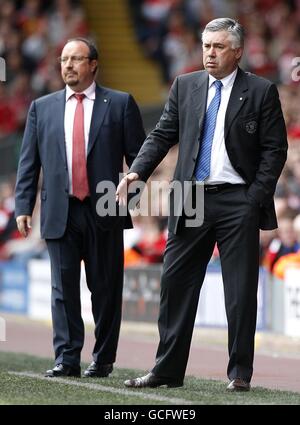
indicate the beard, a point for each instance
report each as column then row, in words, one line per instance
column 71, row 80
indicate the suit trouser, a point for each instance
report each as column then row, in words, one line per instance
column 102, row 253
column 231, row 220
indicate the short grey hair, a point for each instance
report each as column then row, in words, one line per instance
column 231, row 26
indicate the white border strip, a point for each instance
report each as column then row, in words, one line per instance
column 98, row 387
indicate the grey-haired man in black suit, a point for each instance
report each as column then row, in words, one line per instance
column 232, row 138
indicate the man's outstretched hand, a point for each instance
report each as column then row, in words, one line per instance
column 122, row 189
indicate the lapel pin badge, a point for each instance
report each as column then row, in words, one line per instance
column 241, row 98
column 105, row 100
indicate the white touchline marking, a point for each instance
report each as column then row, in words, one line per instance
column 99, row 387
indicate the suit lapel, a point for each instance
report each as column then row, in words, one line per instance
column 199, row 98
column 100, row 107
column 237, row 98
column 59, row 112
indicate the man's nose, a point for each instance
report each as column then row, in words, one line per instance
column 212, row 52
column 69, row 64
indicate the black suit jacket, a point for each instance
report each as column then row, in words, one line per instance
column 116, row 132
column 255, row 136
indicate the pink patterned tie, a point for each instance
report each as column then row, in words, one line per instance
column 79, row 171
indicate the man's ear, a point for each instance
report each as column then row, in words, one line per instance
column 238, row 53
column 94, row 64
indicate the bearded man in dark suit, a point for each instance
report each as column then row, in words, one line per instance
column 79, row 137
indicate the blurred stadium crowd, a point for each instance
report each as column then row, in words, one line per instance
column 32, row 33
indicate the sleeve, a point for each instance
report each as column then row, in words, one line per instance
column 161, row 139
column 28, row 168
column 133, row 131
column 273, row 148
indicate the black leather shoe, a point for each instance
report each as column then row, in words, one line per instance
column 238, row 384
column 152, row 381
column 97, row 370
column 63, row 370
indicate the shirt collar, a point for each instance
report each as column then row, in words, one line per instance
column 90, row 92
column 226, row 81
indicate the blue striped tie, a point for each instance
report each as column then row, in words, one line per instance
column 202, row 169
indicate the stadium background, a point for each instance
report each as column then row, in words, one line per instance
column 143, row 45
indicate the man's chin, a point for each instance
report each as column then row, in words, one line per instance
column 71, row 81
column 214, row 71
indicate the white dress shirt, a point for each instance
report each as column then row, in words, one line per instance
column 71, row 102
column 221, row 169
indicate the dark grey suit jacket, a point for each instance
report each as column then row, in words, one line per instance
column 116, row 132
column 255, row 136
